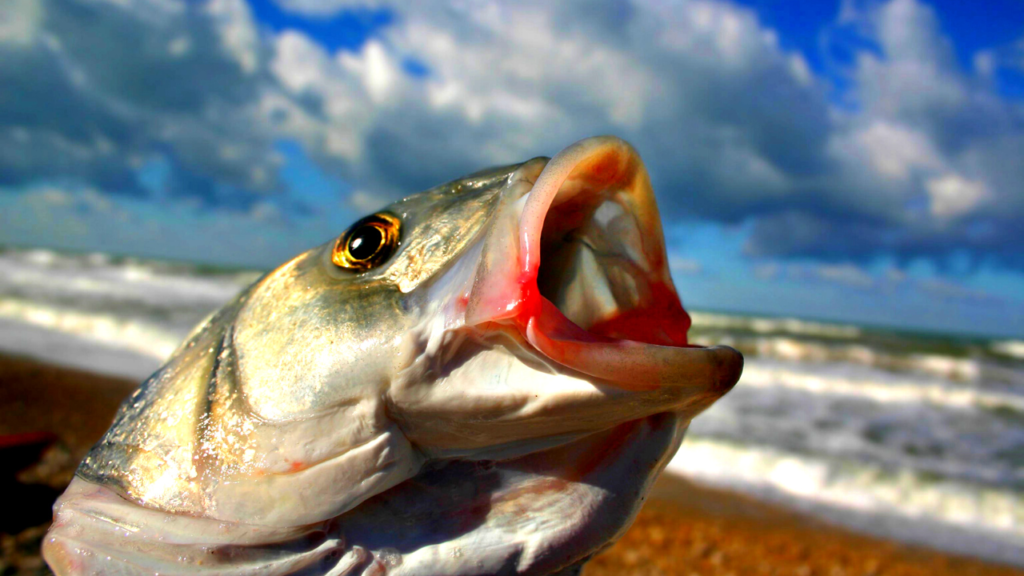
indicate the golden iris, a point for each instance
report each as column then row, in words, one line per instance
column 367, row 243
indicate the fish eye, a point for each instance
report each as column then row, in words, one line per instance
column 367, row 243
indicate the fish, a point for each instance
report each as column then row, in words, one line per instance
column 482, row 378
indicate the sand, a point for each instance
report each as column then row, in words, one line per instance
column 684, row 529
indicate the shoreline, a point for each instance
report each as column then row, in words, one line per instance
column 684, row 528
column 692, row 529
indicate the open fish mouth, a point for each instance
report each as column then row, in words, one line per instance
column 585, row 278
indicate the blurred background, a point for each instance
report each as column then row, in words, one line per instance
column 842, row 185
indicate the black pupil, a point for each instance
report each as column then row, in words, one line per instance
column 365, row 242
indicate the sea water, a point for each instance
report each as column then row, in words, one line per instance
column 918, row 437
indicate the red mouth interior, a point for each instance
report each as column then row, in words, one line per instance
column 590, row 287
column 601, row 287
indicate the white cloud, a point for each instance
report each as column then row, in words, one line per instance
column 846, row 274
column 685, row 266
column 508, row 81
column 952, row 290
column 238, row 34
column 952, row 195
column 20, row 21
column 894, row 151
column 377, row 69
column 103, row 87
column 726, row 119
column 923, row 159
column 365, row 202
column 301, row 64
column 732, row 125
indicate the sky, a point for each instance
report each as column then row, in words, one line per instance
column 845, row 160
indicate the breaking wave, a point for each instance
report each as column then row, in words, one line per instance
column 967, row 364
column 879, row 386
column 949, row 514
column 147, row 306
column 1011, row 348
column 760, row 325
column 145, row 337
column 920, row 437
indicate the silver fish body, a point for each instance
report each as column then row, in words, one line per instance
column 492, row 391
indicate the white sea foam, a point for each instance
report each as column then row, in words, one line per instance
column 1012, row 348
column 957, row 368
column 139, row 305
column 146, row 307
column 74, row 351
column 43, row 274
column 147, row 338
column 774, row 325
column 926, row 510
column 876, row 385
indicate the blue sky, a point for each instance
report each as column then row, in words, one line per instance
column 856, row 161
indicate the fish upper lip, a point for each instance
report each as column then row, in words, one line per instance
column 642, row 347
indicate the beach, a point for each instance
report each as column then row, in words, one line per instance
column 683, row 529
column 692, row 530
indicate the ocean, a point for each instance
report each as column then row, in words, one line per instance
column 917, row 437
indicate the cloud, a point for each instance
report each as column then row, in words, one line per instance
column 952, row 290
column 952, row 195
column 94, row 90
column 685, row 266
column 917, row 157
column 733, row 127
column 921, row 165
column 846, row 274
column 850, row 275
column 505, row 82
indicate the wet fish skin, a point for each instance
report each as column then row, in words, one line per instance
column 434, row 414
column 236, row 385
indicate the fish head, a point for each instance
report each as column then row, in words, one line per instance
column 484, row 377
column 559, row 319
